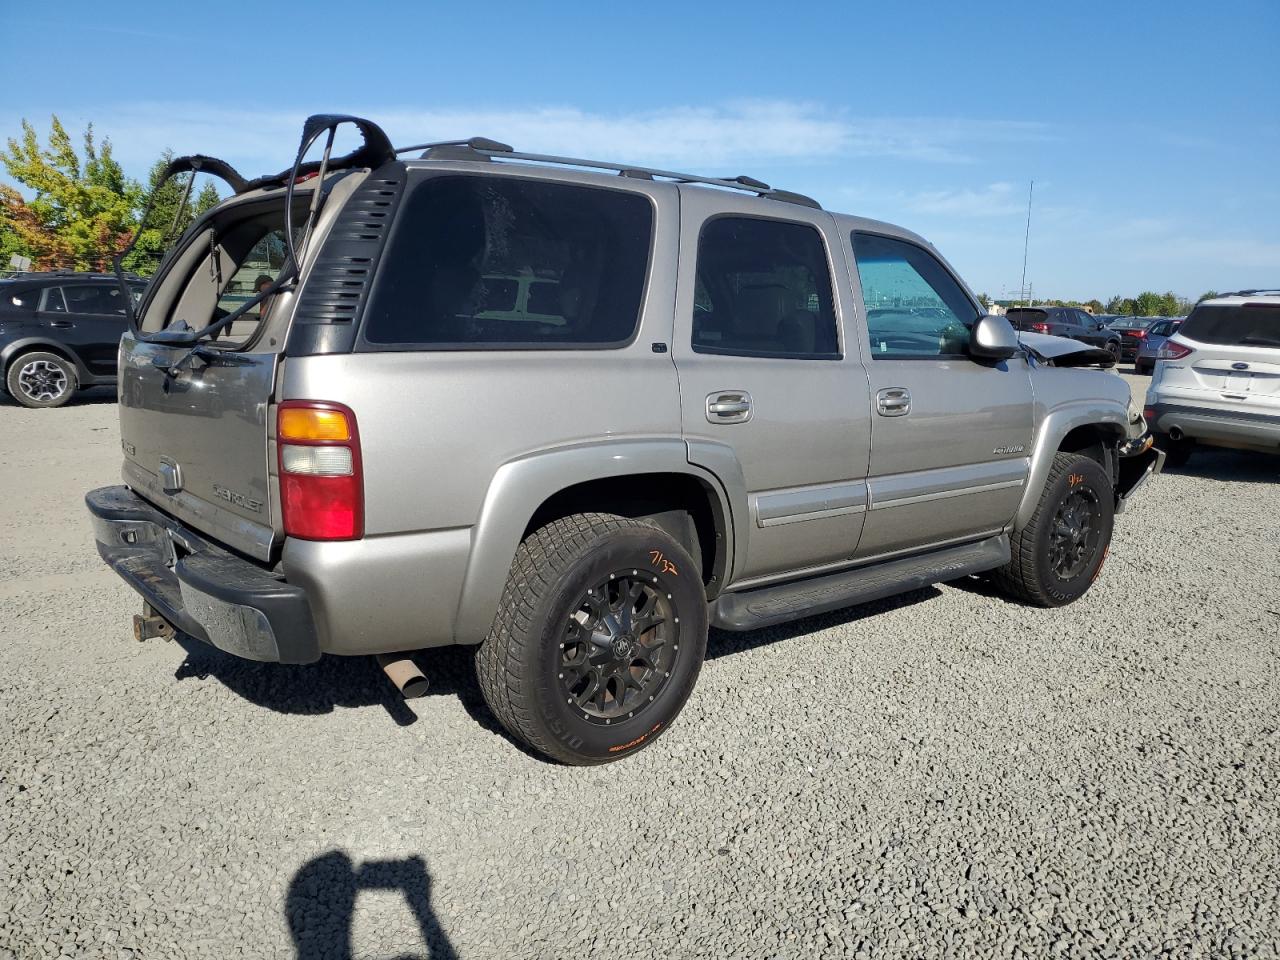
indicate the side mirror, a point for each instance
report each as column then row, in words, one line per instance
column 993, row 338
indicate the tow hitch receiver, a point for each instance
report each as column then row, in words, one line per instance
column 149, row 625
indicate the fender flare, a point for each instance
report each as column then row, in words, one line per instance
column 22, row 345
column 521, row 486
column 1061, row 420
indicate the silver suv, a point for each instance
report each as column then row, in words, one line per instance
column 729, row 407
column 1217, row 378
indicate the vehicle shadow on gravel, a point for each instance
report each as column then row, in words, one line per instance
column 90, row 396
column 1231, row 466
column 312, row 688
column 321, row 904
column 349, row 682
column 723, row 643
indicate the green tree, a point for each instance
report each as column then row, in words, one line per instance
column 1148, row 303
column 985, row 301
column 1095, row 305
column 82, row 211
column 1115, row 304
column 1208, row 295
column 168, row 217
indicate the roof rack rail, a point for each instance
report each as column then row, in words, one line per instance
column 1250, row 293
column 482, row 148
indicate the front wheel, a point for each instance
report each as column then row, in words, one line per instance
column 598, row 640
column 1056, row 557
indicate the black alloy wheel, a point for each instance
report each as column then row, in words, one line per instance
column 598, row 639
column 619, row 647
column 1073, row 539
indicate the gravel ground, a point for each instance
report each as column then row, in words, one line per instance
column 944, row 774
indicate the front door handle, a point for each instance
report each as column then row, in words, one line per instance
column 729, row 406
column 60, row 323
column 893, row 402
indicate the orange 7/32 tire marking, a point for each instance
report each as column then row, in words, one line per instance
column 662, row 563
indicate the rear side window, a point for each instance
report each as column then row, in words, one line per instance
column 763, row 289
column 1237, row 325
column 100, row 298
column 915, row 308
column 497, row 262
column 27, row 298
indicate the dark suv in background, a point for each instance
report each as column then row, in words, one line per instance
column 60, row 332
column 1066, row 322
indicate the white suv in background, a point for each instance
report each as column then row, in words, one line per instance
column 1217, row 380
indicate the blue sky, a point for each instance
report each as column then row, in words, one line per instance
column 1152, row 130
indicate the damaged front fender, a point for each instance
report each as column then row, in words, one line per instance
column 1064, row 352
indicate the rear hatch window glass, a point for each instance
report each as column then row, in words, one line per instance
column 1235, row 325
column 575, row 257
column 1020, row 317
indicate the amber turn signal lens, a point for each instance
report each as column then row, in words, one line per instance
column 307, row 423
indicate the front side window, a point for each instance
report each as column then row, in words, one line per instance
column 763, row 289
column 498, row 262
column 915, row 308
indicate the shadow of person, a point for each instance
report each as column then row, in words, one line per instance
column 321, row 902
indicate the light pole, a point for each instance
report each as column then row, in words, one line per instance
column 1026, row 242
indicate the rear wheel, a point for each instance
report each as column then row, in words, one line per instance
column 1056, row 557
column 598, row 640
column 40, row 380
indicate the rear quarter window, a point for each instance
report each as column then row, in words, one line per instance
column 580, row 255
column 1235, row 325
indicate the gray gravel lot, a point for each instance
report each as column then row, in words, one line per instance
column 944, row 774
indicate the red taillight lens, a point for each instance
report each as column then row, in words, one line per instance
column 1039, row 327
column 1170, row 350
column 321, row 478
column 1140, row 334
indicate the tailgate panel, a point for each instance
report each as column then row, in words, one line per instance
column 196, row 444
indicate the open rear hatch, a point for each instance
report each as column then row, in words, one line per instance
column 193, row 417
column 198, row 367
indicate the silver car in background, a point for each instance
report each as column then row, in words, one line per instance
column 1157, row 334
column 1217, row 382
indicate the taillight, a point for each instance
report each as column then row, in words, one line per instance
column 1039, row 327
column 1140, row 334
column 321, row 481
column 1170, row 350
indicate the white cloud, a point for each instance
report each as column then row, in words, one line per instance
column 707, row 138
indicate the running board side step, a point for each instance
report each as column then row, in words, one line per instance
column 765, row 606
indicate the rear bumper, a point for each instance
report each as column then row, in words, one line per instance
column 202, row 589
column 1228, row 427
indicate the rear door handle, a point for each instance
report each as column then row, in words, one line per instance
column 893, row 402
column 729, row 406
column 60, row 323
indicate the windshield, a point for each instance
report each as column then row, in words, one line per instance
column 1243, row 325
column 1130, row 323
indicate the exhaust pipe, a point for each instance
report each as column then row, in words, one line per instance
column 1175, row 433
column 404, row 674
